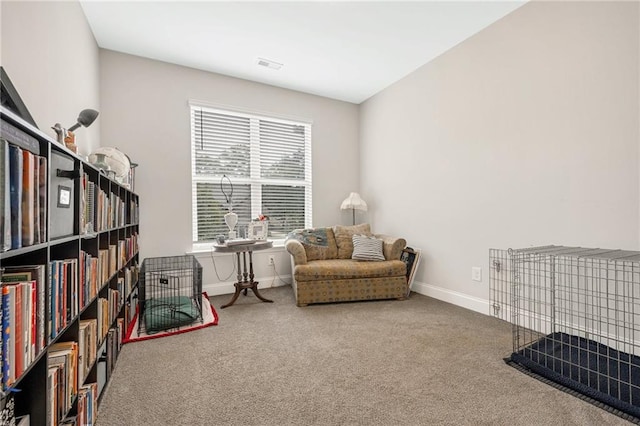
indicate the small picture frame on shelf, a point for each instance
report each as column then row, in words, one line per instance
column 64, row 196
column 257, row 230
column 411, row 258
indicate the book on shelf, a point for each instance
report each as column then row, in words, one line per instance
column 64, row 355
column 87, row 345
column 5, row 198
column 63, row 294
column 28, row 195
column 88, row 404
column 7, row 341
column 88, row 278
column 113, row 260
column 36, row 200
column 22, row 318
column 36, row 275
column 53, row 375
column 15, row 189
column 42, row 195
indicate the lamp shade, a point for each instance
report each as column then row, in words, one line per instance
column 353, row 201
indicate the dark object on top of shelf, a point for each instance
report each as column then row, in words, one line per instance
column 85, row 118
column 11, row 100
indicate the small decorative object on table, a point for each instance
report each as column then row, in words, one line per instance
column 259, row 228
column 230, row 218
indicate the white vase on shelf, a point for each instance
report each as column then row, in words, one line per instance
column 231, row 219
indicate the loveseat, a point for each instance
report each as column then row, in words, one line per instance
column 324, row 271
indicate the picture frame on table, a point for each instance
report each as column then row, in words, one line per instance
column 257, row 230
column 411, row 258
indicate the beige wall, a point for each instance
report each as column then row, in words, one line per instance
column 51, row 57
column 525, row 134
column 146, row 114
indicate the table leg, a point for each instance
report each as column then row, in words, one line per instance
column 235, row 295
column 244, row 266
column 254, row 287
column 250, row 267
column 239, row 270
column 254, row 284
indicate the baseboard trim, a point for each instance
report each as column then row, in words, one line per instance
column 216, row 289
column 450, row 296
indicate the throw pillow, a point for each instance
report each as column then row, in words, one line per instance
column 367, row 248
column 344, row 235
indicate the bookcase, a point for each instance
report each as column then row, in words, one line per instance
column 69, row 269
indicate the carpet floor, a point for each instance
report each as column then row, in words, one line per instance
column 413, row 362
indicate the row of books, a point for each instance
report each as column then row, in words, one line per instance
column 95, row 271
column 128, row 277
column 87, row 345
column 114, row 343
column 108, row 309
column 87, row 406
column 63, row 294
column 100, row 210
column 62, row 379
column 126, row 249
column 134, row 211
column 23, row 200
column 22, row 314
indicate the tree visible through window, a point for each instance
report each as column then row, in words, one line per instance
column 268, row 161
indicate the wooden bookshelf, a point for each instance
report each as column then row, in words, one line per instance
column 69, row 279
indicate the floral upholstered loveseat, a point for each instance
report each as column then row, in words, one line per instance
column 323, row 270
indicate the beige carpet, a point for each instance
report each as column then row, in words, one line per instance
column 413, row 362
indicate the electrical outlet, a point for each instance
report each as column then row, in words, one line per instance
column 476, row 273
column 272, row 260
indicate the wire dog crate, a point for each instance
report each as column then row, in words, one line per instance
column 170, row 293
column 575, row 315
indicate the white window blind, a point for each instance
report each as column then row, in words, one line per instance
column 268, row 161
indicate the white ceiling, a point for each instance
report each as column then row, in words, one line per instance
column 342, row 50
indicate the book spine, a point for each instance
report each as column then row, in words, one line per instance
column 5, row 197
column 6, row 335
column 18, row 331
column 36, row 200
column 42, row 194
column 28, row 172
column 15, row 188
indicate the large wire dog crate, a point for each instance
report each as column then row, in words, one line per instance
column 170, row 293
column 575, row 315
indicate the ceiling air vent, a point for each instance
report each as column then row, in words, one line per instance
column 269, row 63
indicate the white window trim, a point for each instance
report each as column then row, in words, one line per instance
column 251, row 114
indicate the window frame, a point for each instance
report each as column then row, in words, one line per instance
column 254, row 180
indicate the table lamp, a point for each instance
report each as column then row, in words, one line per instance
column 354, row 202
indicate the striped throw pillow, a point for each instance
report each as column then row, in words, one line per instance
column 367, row 248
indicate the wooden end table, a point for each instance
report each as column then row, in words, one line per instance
column 245, row 277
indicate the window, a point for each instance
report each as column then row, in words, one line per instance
column 268, row 161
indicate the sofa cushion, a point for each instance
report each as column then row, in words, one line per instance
column 367, row 248
column 344, row 235
column 332, row 269
column 319, row 243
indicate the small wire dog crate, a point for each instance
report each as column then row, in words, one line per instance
column 575, row 315
column 170, row 293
